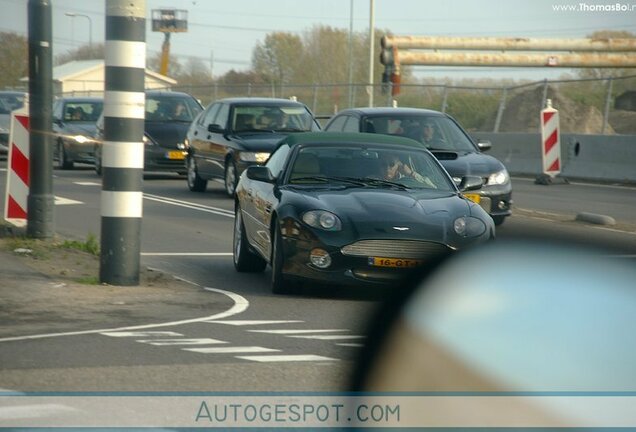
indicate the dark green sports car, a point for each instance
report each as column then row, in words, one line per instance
column 351, row 209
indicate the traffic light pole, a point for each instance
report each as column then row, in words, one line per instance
column 123, row 149
column 40, row 201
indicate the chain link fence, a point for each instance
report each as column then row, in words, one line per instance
column 587, row 106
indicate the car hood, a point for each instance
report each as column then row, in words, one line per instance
column 459, row 164
column 86, row 129
column 380, row 213
column 258, row 141
column 167, row 134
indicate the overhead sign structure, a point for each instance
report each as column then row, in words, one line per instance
column 550, row 140
column 17, row 190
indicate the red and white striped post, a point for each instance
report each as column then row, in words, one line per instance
column 17, row 188
column 550, row 140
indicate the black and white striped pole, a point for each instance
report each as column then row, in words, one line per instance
column 123, row 149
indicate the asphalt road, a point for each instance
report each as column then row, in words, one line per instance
column 317, row 334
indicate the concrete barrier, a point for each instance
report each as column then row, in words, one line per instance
column 590, row 157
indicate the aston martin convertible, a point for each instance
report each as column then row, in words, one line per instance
column 351, row 209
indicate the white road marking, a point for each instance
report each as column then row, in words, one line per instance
column 286, row 358
column 352, row 345
column 253, row 322
column 582, row 184
column 240, row 305
column 190, row 205
column 285, row 332
column 87, row 183
column 171, row 342
column 66, row 201
column 186, row 254
column 231, row 350
column 141, row 334
column 329, row 337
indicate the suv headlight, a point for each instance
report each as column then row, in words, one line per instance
column 499, row 178
column 258, row 157
column 468, row 226
column 322, row 219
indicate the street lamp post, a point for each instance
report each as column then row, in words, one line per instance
column 90, row 26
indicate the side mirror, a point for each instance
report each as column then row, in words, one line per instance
column 469, row 183
column 458, row 335
column 215, row 128
column 484, row 145
column 260, row 173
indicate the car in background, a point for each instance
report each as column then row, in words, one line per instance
column 9, row 101
column 320, row 210
column 74, row 130
column 448, row 142
column 233, row 133
column 168, row 115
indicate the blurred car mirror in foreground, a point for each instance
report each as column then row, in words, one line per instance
column 550, row 336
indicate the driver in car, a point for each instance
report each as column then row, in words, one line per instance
column 394, row 169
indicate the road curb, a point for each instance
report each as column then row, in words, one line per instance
column 594, row 218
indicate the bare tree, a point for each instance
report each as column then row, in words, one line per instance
column 13, row 59
column 85, row 52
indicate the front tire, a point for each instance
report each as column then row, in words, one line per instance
column 231, row 178
column 279, row 284
column 98, row 162
column 195, row 182
column 61, row 161
column 498, row 220
column 245, row 261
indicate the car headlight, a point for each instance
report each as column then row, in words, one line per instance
column 147, row 140
column 499, row 178
column 258, row 157
column 468, row 226
column 81, row 139
column 322, row 219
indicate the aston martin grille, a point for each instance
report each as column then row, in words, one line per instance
column 394, row 248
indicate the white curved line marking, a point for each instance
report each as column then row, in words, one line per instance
column 240, row 305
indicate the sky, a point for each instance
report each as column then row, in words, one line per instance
column 224, row 33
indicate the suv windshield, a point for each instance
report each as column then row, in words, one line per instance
column 10, row 102
column 171, row 108
column 434, row 131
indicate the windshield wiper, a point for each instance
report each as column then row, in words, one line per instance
column 380, row 182
column 326, row 179
column 290, row 129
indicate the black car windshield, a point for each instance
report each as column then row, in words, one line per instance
column 82, row 111
column 176, row 108
column 368, row 166
column 255, row 118
column 434, row 131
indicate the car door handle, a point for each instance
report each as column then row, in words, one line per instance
column 250, row 192
column 268, row 209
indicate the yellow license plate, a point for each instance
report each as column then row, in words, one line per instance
column 179, row 155
column 476, row 198
column 394, row 262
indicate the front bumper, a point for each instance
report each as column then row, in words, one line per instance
column 163, row 159
column 496, row 200
column 348, row 269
